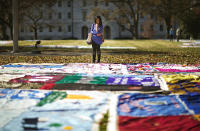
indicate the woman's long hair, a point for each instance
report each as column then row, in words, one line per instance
column 100, row 21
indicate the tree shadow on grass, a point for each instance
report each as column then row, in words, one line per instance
column 136, row 52
column 77, row 52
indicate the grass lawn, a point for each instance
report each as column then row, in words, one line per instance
column 118, row 43
column 147, row 51
column 112, row 43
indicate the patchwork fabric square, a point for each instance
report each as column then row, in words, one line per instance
column 54, row 121
column 38, row 79
column 81, row 79
column 88, row 101
column 7, row 77
column 59, row 111
column 15, row 102
column 141, row 68
column 192, row 102
column 117, row 69
column 137, row 80
column 135, row 104
column 55, row 95
column 70, row 79
column 177, row 68
column 158, row 123
column 31, row 94
column 31, row 66
column 183, row 83
column 6, row 93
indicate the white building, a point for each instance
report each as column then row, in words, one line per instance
column 70, row 20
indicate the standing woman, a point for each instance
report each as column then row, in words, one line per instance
column 97, row 38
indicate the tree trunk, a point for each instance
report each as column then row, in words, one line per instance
column 136, row 23
column 72, row 17
column 133, row 35
column 136, row 30
column 11, row 32
column 4, row 34
column 15, row 25
column 35, row 34
column 10, row 25
column 135, row 27
column 168, row 25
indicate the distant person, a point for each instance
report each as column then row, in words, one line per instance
column 171, row 34
column 178, row 34
column 97, row 38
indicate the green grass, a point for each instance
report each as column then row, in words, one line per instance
column 112, row 43
column 104, row 122
column 139, row 44
column 148, row 51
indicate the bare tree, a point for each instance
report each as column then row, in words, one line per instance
column 6, row 20
column 126, row 14
column 147, row 28
column 6, row 17
column 36, row 16
column 170, row 9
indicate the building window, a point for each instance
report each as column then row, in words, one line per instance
column 141, row 28
column 69, row 28
column 161, row 28
column 60, row 29
column 22, row 29
column 156, row 18
column 41, row 29
column 50, row 16
column 106, row 15
column 50, row 29
column 151, row 16
column 96, row 3
column 107, row 3
column 69, row 4
column 84, row 33
column 122, row 28
column 151, row 27
column 59, row 3
column 84, row 3
column 84, row 15
column 142, row 15
column 69, row 15
column 59, row 15
column 41, row 14
column 40, row 5
column 31, row 29
column 107, row 32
